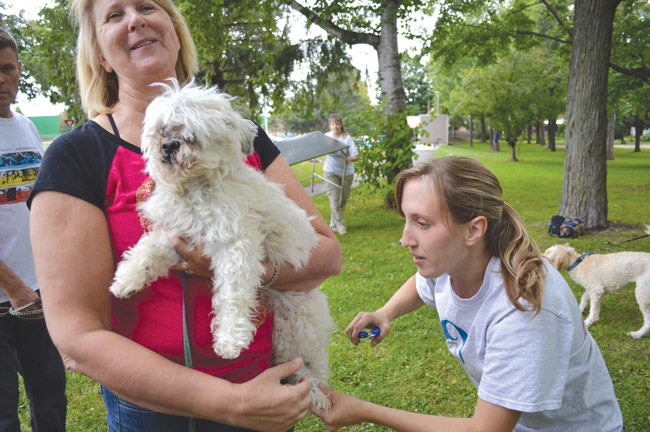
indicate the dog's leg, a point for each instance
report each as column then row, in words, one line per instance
column 291, row 236
column 595, row 298
column 642, row 293
column 235, row 298
column 584, row 301
column 150, row 258
column 303, row 327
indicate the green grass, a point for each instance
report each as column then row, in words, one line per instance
column 412, row 368
column 305, row 169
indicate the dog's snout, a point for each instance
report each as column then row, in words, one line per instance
column 170, row 147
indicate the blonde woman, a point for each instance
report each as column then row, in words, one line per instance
column 84, row 216
column 339, row 170
column 507, row 315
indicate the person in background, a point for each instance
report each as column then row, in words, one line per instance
column 339, row 170
column 25, row 344
column 84, row 217
column 507, row 315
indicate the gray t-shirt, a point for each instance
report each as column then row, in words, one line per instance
column 547, row 366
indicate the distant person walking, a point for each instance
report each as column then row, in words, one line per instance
column 336, row 164
column 25, row 345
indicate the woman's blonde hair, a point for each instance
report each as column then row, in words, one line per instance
column 338, row 119
column 99, row 89
column 466, row 189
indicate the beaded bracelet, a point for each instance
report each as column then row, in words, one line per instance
column 23, row 314
column 271, row 281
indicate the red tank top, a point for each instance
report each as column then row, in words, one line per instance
column 153, row 317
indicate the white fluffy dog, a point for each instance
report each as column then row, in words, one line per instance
column 608, row 273
column 194, row 144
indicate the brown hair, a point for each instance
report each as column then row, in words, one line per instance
column 338, row 119
column 99, row 89
column 466, row 189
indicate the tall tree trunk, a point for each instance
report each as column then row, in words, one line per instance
column 513, row 156
column 611, row 129
column 530, row 133
column 389, row 61
column 584, row 187
column 484, row 132
column 399, row 150
column 539, row 131
column 638, row 131
column 552, row 128
column 471, row 130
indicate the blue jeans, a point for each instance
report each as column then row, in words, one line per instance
column 124, row 416
column 26, row 348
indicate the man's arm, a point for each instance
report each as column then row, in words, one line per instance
column 19, row 293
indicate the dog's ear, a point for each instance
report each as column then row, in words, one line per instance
column 247, row 134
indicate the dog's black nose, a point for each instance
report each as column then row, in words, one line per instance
column 170, row 147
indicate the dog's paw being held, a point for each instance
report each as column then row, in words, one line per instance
column 319, row 400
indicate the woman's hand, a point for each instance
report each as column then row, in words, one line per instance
column 367, row 320
column 346, row 410
column 265, row 402
column 194, row 262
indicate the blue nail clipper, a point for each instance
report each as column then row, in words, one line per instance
column 374, row 332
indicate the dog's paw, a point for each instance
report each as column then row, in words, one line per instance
column 589, row 321
column 123, row 291
column 125, row 284
column 319, row 400
column 637, row 334
column 228, row 350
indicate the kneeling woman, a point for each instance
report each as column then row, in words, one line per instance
column 508, row 316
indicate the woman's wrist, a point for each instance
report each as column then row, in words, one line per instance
column 234, row 409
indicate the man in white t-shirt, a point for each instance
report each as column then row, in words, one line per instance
column 25, row 345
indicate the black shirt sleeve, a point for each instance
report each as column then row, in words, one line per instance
column 264, row 147
column 77, row 164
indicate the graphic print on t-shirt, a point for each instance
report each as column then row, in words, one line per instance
column 455, row 345
column 18, row 171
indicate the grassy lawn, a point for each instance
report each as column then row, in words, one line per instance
column 412, row 368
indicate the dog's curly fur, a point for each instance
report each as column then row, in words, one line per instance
column 607, row 273
column 194, row 144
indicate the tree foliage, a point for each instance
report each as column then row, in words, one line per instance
column 50, row 57
column 483, row 29
column 243, row 48
column 513, row 92
column 373, row 22
column 313, row 100
column 418, row 87
column 16, row 26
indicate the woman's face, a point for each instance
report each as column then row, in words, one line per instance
column 335, row 127
column 436, row 249
column 136, row 39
